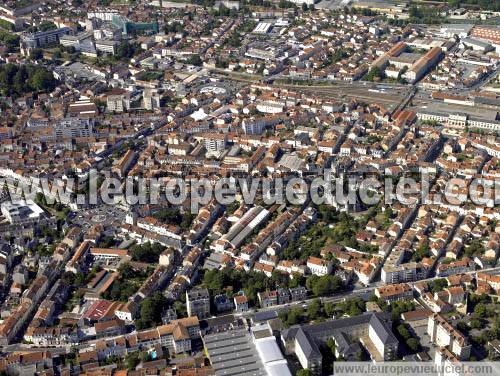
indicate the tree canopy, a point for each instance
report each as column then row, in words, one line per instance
column 151, row 310
column 146, row 252
column 251, row 282
column 17, row 80
column 324, row 285
column 11, row 41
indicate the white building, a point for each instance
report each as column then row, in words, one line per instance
column 269, row 107
column 106, row 46
column 74, row 128
column 300, row 2
column 443, row 334
column 118, row 101
column 151, row 99
column 74, row 40
column 21, row 212
column 318, row 266
column 215, row 142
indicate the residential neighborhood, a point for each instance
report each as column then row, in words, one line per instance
column 248, row 187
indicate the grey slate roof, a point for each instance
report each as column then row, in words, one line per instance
column 310, row 336
column 383, row 330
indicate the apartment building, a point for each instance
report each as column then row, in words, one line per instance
column 5, row 133
column 409, row 272
column 391, row 293
column 267, row 298
column 74, row 127
column 44, row 38
column 123, row 165
column 492, row 280
column 155, row 226
column 455, row 267
column 198, row 303
column 151, row 99
column 215, row 142
column 446, row 359
column 74, row 40
column 106, row 46
column 27, row 363
column 127, row 311
column 118, row 100
column 253, row 127
column 176, row 336
column 372, row 329
column 318, row 266
column 443, row 334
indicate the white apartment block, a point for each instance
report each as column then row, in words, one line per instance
column 118, row 102
column 408, row 272
column 443, row 334
column 106, row 46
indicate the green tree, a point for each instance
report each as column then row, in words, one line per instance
column 374, row 73
column 295, row 316
column 46, row 26
column 180, row 309
column 151, row 310
column 329, row 309
column 475, row 248
column 403, row 332
column 36, row 54
column 480, row 310
column 324, row 285
column 421, row 252
column 11, row 41
column 330, row 343
column 234, row 39
column 314, row 309
column 194, row 60
column 413, row 344
column 126, row 271
column 463, row 327
column 397, row 308
column 132, row 360
column 126, row 50
column 437, row 285
column 214, row 281
column 79, row 279
column 147, row 252
column 304, row 372
column 42, row 80
column 352, row 306
column 476, row 323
